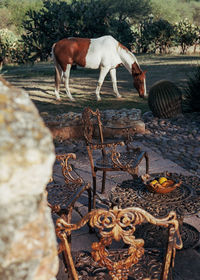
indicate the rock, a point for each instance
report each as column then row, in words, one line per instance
column 147, row 116
column 69, row 125
column 28, row 248
column 181, row 134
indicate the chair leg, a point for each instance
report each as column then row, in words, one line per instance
column 94, row 190
column 134, row 174
column 103, row 182
column 147, row 163
column 89, row 200
column 68, row 217
column 91, row 230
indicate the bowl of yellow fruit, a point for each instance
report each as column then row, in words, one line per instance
column 162, row 184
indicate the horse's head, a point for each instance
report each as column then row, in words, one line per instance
column 139, row 80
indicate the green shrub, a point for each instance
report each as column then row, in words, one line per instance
column 187, row 34
column 157, row 36
column 192, row 93
column 11, row 48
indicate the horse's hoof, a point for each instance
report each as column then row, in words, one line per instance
column 119, row 96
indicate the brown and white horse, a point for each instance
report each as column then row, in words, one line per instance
column 105, row 53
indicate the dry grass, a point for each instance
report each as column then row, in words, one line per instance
column 38, row 81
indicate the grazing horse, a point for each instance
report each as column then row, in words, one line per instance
column 105, row 53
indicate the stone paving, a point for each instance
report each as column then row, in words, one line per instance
column 165, row 142
column 177, row 139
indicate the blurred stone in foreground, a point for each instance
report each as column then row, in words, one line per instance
column 27, row 238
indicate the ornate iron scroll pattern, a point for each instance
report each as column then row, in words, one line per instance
column 67, row 168
column 189, row 235
column 185, row 200
column 127, row 160
column 110, row 159
column 120, row 224
column 88, row 124
column 62, row 197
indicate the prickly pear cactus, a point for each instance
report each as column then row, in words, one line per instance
column 165, row 99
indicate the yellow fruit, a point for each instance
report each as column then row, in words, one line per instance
column 162, row 180
column 154, row 182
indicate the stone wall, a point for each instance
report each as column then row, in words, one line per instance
column 69, row 125
column 27, row 238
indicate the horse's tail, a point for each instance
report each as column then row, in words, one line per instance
column 58, row 72
column 52, row 52
column 57, row 65
column 53, row 55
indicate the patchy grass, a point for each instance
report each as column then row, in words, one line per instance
column 38, row 81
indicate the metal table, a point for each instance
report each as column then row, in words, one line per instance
column 185, row 200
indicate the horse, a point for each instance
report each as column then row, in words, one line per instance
column 104, row 52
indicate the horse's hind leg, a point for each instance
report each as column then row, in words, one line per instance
column 58, row 73
column 66, row 81
column 102, row 75
column 114, row 82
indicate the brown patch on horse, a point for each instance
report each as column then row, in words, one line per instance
column 123, row 47
column 136, row 69
column 119, row 65
column 138, row 78
column 71, row 51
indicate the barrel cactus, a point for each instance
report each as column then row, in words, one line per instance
column 165, row 99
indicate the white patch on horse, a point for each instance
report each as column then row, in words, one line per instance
column 105, row 53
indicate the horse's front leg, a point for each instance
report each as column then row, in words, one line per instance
column 66, row 75
column 102, row 75
column 114, row 82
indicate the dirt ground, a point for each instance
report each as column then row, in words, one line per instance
column 38, row 81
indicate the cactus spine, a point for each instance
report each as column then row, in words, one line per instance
column 165, row 99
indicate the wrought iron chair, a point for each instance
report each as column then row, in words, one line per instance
column 111, row 159
column 133, row 261
column 62, row 198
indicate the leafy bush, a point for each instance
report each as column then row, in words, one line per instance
column 80, row 18
column 187, row 34
column 60, row 20
column 11, row 49
column 13, row 12
column 156, row 36
column 192, row 93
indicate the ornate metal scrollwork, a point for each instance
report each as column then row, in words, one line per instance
column 88, row 124
column 67, row 168
column 115, row 155
column 62, row 197
column 127, row 160
column 119, row 224
column 184, row 200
